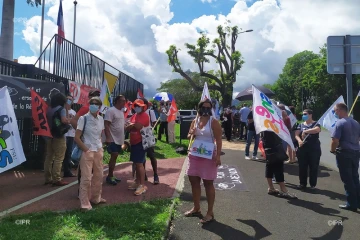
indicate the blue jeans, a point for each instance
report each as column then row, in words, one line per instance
column 250, row 136
column 348, row 164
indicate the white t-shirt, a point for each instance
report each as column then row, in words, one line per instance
column 71, row 132
column 117, row 119
column 93, row 129
column 152, row 115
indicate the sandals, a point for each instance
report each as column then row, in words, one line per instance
column 205, row 220
column 287, row 195
column 273, row 191
column 192, row 213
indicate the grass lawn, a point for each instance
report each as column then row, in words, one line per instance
column 163, row 150
column 143, row 220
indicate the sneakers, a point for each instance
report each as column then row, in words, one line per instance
column 287, row 195
column 140, row 190
column 255, row 158
column 133, row 186
column 156, row 179
column 111, row 180
column 60, row 183
column 247, row 157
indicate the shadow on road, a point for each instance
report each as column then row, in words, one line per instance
column 332, row 195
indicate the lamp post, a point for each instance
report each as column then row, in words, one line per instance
column 75, row 3
column 42, row 32
column 246, row 31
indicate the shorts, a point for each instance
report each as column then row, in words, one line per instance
column 275, row 169
column 137, row 153
column 114, row 148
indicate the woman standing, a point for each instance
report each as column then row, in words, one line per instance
column 309, row 151
column 205, row 130
column 88, row 137
column 137, row 153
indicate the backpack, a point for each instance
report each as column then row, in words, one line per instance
column 58, row 129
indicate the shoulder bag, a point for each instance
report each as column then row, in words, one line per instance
column 203, row 149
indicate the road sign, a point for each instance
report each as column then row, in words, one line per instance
column 336, row 54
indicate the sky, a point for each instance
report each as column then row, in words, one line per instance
column 133, row 35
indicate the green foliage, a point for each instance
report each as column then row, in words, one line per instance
column 34, row 2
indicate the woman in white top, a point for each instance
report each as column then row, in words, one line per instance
column 88, row 138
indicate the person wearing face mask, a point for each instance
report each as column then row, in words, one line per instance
column 90, row 127
column 205, row 129
column 309, row 151
column 137, row 153
column 163, row 110
column 67, row 163
column 115, row 136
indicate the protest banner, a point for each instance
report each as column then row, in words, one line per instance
column 80, row 92
column 40, row 121
column 328, row 119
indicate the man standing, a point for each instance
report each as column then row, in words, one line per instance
column 115, row 136
column 244, row 112
column 163, row 110
column 345, row 145
column 251, row 134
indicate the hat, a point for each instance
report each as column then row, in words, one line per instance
column 139, row 102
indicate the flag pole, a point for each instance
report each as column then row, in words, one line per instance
column 353, row 104
column 42, row 32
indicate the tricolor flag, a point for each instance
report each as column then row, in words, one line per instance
column 172, row 111
column 105, row 97
column 206, row 95
column 60, row 24
column 140, row 94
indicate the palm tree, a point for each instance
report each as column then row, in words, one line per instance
column 7, row 28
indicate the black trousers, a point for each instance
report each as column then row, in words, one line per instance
column 67, row 158
column 242, row 126
column 163, row 127
column 309, row 160
column 228, row 131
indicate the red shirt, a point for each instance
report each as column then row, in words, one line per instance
column 143, row 119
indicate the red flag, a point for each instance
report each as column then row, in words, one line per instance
column 128, row 109
column 139, row 94
column 172, row 112
column 38, row 111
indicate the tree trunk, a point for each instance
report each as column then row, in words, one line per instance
column 227, row 96
column 7, row 30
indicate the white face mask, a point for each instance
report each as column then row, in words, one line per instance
column 138, row 109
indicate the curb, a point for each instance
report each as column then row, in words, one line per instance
column 178, row 189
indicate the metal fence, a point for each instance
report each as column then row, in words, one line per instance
column 60, row 62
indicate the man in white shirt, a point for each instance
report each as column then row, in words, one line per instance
column 67, row 163
column 115, row 134
column 150, row 152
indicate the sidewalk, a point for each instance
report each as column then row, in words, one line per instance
column 254, row 214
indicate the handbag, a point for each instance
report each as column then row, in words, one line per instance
column 148, row 138
column 77, row 152
column 276, row 154
column 203, row 149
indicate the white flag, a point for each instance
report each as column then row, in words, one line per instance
column 267, row 117
column 328, row 119
column 206, row 95
column 105, row 97
column 293, row 119
column 11, row 151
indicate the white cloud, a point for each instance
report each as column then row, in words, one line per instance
column 209, row 1
column 133, row 35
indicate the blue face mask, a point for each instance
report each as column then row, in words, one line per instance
column 337, row 116
column 138, row 109
column 94, row 108
column 305, row 117
column 69, row 102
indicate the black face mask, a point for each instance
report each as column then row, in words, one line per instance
column 205, row 111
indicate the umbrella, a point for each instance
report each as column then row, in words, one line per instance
column 247, row 93
column 163, row 96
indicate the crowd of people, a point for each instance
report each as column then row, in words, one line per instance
column 93, row 132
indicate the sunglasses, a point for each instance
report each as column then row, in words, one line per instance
column 305, row 114
column 95, row 103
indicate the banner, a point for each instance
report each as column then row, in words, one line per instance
column 19, row 90
column 206, row 95
column 111, row 80
column 267, row 118
column 172, row 111
column 38, row 112
column 105, row 97
column 80, row 92
column 140, row 94
column 11, row 151
column 328, row 119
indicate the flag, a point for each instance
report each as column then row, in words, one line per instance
column 267, row 118
column 139, row 94
column 127, row 109
column 172, row 111
column 105, row 97
column 328, row 119
column 60, row 23
column 38, row 112
column 293, row 119
column 206, row 95
column 111, row 80
column 359, row 93
column 80, row 92
column 11, row 150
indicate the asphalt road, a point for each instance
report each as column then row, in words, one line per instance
column 254, row 214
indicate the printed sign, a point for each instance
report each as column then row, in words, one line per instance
column 267, row 118
column 80, row 92
column 11, row 151
column 202, row 149
column 39, row 109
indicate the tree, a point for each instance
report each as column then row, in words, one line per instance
column 223, row 51
column 7, row 28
